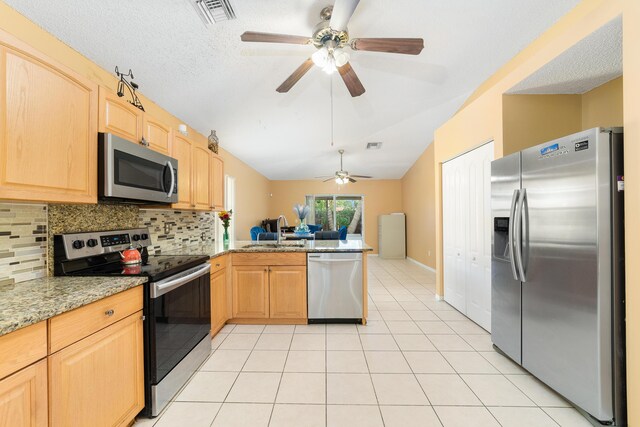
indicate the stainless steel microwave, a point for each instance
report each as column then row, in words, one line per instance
column 131, row 173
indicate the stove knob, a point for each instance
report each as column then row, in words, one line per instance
column 144, row 236
column 135, row 237
column 92, row 243
column 78, row 244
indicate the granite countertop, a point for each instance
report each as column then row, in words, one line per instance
column 215, row 249
column 30, row 302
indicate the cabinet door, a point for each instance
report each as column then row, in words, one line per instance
column 99, row 381
column 250, row 292
column 181, row 150
column 157, row 134
column 119, row 117
column 288, row 292
column 218, row 300
column 217, row 182
column 48, row 129
column 23, row 397
column 201, row 193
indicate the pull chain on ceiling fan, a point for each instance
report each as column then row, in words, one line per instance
column 330, row 37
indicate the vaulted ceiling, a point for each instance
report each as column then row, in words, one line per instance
column 211, row 80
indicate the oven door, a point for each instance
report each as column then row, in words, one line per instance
column 129, row 171
column 177, row 337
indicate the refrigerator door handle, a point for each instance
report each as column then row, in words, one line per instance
column 518, row 235
column 512, row 243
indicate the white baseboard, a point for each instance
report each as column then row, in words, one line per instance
column 426, row 267
column 368, row 254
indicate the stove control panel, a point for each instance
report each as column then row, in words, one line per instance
column 82, row 245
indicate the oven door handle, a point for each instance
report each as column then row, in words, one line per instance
column 169, row 284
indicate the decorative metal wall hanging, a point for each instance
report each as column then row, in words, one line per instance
column 213, row 142
column 131, row 86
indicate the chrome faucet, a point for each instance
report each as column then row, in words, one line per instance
column 279, row 229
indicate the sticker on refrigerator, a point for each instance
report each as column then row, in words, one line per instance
column 620, row 183
column 582, row 145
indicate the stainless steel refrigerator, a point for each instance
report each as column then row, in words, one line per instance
column 557, row 285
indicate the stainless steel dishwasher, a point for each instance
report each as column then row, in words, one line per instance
column 334, row 287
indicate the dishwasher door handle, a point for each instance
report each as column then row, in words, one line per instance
column 312, row 259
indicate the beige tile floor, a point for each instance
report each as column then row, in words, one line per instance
column 418, row 362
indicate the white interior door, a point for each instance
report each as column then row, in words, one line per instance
column 453, row 198
column 466, row 214
column 478, row 266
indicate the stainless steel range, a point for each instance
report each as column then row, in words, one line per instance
column 176, row 303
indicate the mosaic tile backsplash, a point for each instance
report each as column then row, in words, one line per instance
column 171, row 230
column 23, row 242
column 27, row 230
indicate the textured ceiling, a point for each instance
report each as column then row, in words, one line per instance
column 591, row 62
column 211, row 80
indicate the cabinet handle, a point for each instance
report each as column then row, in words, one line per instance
column 265, row 270
column 109, row 312
column 217, row 265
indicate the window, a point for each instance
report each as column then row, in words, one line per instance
column 335, row 211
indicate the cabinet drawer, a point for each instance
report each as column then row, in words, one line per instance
column 270, row 258
column 22, row 347
column 74, row 325
column 218, row 263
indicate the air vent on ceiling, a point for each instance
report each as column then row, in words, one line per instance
column 212, row 11
column 374, row 145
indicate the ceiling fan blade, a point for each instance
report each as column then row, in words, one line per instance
column 351, row 79
column 351, row 179
column 361, row 176
column 330, row 179
column 404, row 46
column 297, row 75
column 341, row 14
column 252, row 36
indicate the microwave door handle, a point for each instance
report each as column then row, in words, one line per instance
column 173, row 179
column 512, row 239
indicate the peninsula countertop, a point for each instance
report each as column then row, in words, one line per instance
column 26, row 303
column 216, row 249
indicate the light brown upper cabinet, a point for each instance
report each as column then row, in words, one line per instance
column 201, row 187
column 158, row 135
column 181, row 151
column 119, row 117
column 194, row 181
column 48, row 128
column 216, row 173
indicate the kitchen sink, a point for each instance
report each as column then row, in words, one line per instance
column 274, row 245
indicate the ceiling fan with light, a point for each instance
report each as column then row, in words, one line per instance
column 342, row 176
column 330, row 37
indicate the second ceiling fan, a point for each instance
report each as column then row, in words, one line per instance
column 330, row 37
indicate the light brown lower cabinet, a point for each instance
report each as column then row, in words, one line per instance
column 288, row 292
column 219, row 315
column 99, row 380
column 269, row 292
column 23, row 397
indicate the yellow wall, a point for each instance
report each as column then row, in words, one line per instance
column 530, row 120
column 419, row 204
column 603, row 105
column 380, row 197
column 479, row 120
column 631, row 52
column 251, row 187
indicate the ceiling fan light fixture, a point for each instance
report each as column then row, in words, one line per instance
column 340, row 57
column 341, row 181
column 321, row 57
